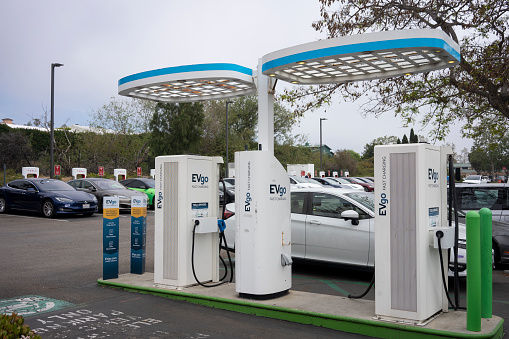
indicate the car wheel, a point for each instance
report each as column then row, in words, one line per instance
column 48, row 209
column 3, row 205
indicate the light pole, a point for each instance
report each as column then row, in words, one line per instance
column 52, row 138
column 226, row 167
column 321, row 143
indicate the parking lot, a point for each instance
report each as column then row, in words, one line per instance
column 61, row 259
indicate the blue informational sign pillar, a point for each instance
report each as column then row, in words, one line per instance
column 138, row 234
column 110, row 237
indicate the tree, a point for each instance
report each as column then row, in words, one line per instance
column 176, row 128
column 476, row 91
column 293, row 151
column 404, row 140
column 16, row 149
column 490, row 154
column 343, row 159
column 123, row 116
column 462, row 157
column 369, row 149
column 414, row 139
column 125, row 123
column 243, row 123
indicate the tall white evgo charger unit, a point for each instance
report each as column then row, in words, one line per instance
column 410, row 207
column 187, row 193
column 262, row 226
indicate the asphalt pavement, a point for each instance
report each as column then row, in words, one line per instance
column 50, row 270
column 51, row 266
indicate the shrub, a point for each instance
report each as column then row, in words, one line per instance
column 12, row 326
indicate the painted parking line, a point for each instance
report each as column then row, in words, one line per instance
column 30, row 305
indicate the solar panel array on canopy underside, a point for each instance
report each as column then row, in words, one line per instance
column 198, row 89
column 333, row 69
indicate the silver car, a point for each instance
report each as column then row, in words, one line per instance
column 106, row 188
column 334, row 225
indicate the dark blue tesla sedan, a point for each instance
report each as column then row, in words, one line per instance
column 47, row 196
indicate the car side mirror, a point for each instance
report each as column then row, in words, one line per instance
column 351, row 215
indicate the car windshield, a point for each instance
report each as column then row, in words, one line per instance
column 304, row 180
column 227, row 184
column 330, row 181
column 342, row 181
column 473, row 177
column 365, row 199
column 53, row 185
column 109, row 185
column 150, row 183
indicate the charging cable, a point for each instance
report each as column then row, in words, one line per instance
column 365, row 292
column 440, row 235
column 196, row 223
column 222, row 226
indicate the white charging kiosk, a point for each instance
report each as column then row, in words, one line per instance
column 30, row 172
column 262, row 226
column 78, row 173
column 153, row 173
column 410, row 206
column 186, row 193
column 120, row 174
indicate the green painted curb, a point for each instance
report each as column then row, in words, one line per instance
column 345, row 324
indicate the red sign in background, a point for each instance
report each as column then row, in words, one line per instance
column 138, row 171
column 101, row 171
column 57, row 169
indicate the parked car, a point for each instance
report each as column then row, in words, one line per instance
column 367, row 181
column 296, row 181
column 230, row 193
column 501, row 178
column 106, row 188
column 230, row 180
column 333, row 225
column 47, row 196
column 145, row 185
column 367, row 187
column 495, row 197
column 476, row 179
column 328, row 182
column 370, row 179
column 347, row 184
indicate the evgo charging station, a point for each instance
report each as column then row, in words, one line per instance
column 407, row 271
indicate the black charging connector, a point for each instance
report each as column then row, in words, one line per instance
column 440, row 235
column 222, row 238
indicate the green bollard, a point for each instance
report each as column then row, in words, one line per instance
column 473, row 271
column 486, row 263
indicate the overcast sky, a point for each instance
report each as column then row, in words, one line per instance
column 100, row 42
